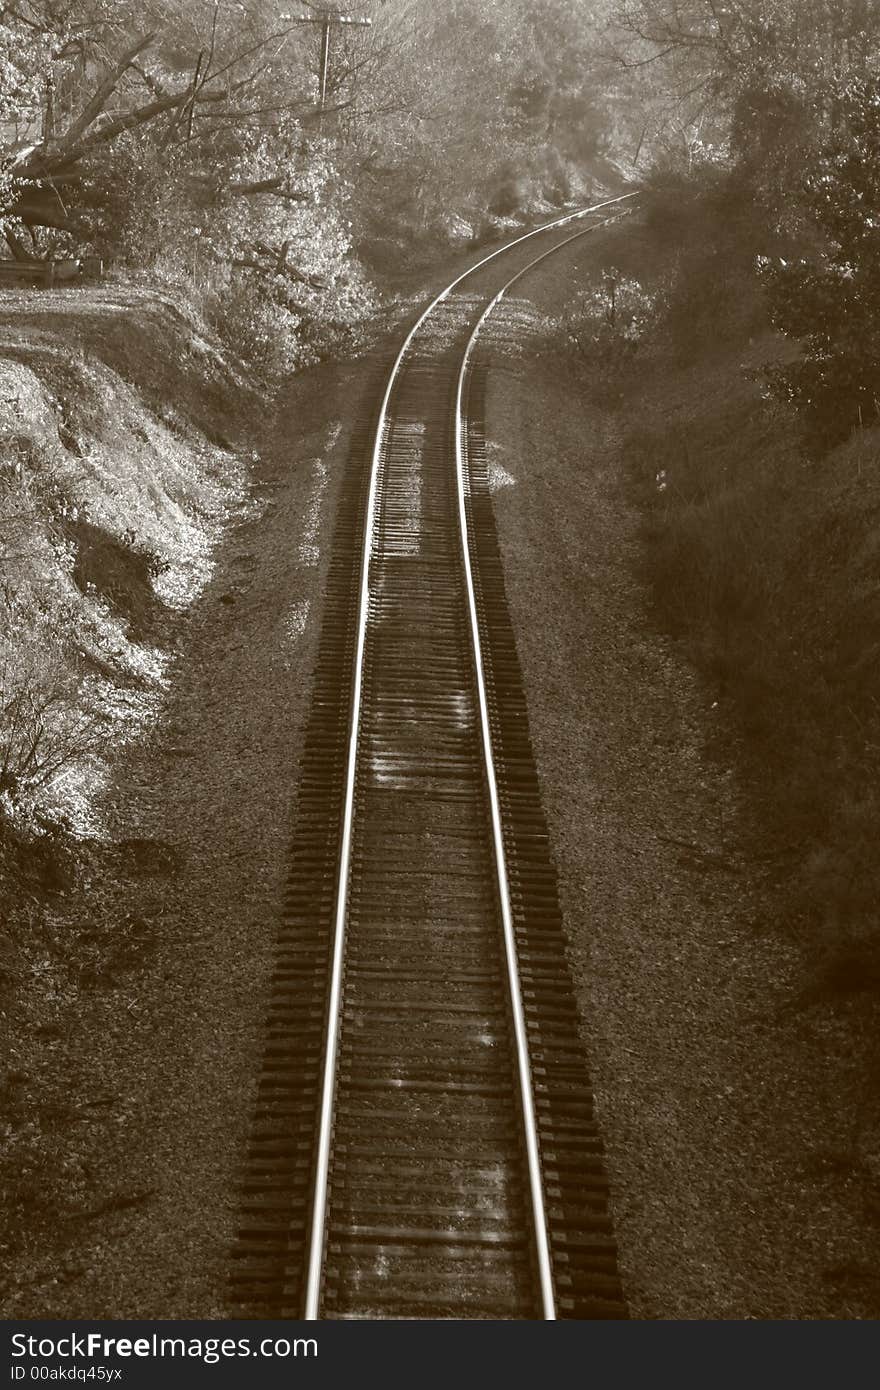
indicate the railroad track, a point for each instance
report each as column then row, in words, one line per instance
column 424, row 1142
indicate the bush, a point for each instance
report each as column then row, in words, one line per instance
column 830, row 303
column 711, row 303
column 765, row 567
column 671, row 202
column 711, row 225
column 48, row 719
column 223, row 250
column 146, row 207
column 278, row 327
column 261, row 331
column 603, row 327
column 709, row 533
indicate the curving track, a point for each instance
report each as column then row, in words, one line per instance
column 424, row 1142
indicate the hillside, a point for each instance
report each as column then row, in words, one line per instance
column 119, row 420
column 126, row 455
column 699, row 612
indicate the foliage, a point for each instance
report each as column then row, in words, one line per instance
column 708, row 226
column 481, row 110
column 748, row 72
column 603, row 328
column 765, row 567
column 48, row 722
column 259, row 329
column 280, row 327
column 761, row 560
column 141, row 204
column 830, row 303
column 609, row 319
column 184, row 136
column 24, row 60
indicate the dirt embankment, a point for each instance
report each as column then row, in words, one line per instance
column 122, row 462
column 175, row 536
column 738, row 1110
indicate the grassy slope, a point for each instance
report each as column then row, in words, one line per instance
column 765, row 566
column 763, row 563
column 680, row 576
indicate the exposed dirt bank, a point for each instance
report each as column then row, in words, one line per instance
column 731, row 1112
column 175, row 540
column 161, row 1048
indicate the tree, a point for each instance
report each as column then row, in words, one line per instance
column 830, row 303
column 479, row 105
column 736, row 68
column 213, row 89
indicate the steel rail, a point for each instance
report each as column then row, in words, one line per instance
column 524, row 1066
column 317, row 1233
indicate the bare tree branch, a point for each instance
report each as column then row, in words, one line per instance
column 104, row 92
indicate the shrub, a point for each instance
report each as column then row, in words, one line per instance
column 279, row 327
column 257, row 328
column 229, row 253
column 671, row 203
column 48, row 719
column 765, row 567
column 707, row 533
column 331, row 312
column 711, row 224
column 712, row 302
column 830, row 302
column 146, row 208
column 603, row 327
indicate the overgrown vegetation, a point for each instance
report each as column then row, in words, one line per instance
column 207, row 142
column 752, row 434
column 830, row 301
column 605, row 326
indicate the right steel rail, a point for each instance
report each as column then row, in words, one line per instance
column 524, row 1066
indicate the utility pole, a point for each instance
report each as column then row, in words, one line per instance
column 49, row 122
column 327, row 20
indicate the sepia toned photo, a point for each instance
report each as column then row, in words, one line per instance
column 439, row 666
